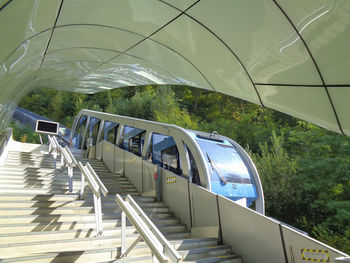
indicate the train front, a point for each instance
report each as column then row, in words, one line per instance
column 231, row 172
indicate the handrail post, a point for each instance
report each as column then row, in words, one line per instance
column 82, row 186
column 98, row 214
column 123, row 237
column 62, row 160
column 342, row 259
column 70, row 178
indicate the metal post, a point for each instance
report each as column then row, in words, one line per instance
column 123, row 236
column 82, row 186
column 158, row 184
column 99, row 208
column 62, row 161
column 154, row 259
column 54, row 159
column 41, row 139
column 98, row 214
column 70, row 178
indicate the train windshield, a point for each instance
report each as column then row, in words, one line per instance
column 224, row 161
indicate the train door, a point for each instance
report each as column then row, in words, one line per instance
column 99, row 142
column 79, row 132
column 132, row 142
column 149, row 170
column 91, row 141
column 162, row 151
column 109, row 136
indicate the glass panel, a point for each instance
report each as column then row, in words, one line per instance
column 140, row 16
column 218, row 65
column 170, row 159
column 182, row 71
column 268, row 45
column 193, row 168
column 136, row 143
column 224, row 161
column 77, row 140
column 80, row 36
column 110, row 131
column 95, row 128
column 165, row 152
column 132, row 140
column 324, row 26
column 308, row 103
column 31, row 17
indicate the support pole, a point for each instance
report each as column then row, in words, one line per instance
column 70, row 178
column 98, row 214
column 158, row 184
column 62, row 161
column 41, row 139
column 123, row 236
column 55, row 159
column 82, row 185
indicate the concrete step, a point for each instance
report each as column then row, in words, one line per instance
column 59, row 184
column 13, row 211
column 205, row 252
column 83, row 256
column 107, row 255
column 48, row 218
column 54, row 191
column 12, row 238
column 75, row 203
column 70, row 225
column 91, row 243
column 55, row 177
column 13, row 158
column 66, row 197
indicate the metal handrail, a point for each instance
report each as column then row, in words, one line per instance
column 342, row 259
column 159, row 245
column 97, row 187
column 68, row 160
column 54, row 149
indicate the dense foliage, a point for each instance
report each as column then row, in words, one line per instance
column 24, row 134
column 305, row 170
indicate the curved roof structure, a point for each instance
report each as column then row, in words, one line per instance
column 291, row 56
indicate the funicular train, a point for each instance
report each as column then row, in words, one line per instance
column 134, row 148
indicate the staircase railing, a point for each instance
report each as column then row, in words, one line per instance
column 342, row 259
column 97, row 187
column 161, row 249
column 68, row 160
column 88, row 176
column 54, row 149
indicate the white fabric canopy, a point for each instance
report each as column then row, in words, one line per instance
column 292, row 56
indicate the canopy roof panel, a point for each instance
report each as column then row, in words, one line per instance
column 291, row 56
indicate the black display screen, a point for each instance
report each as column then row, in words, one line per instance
column 47, row 127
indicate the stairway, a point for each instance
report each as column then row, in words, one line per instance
column 41, row 222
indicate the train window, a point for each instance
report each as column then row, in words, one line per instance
column 132, row 139
column 136, row 143
column 193, row 166
column 170, row 159
column 226, row 163
column 87, row 139
column 95, row 124
column 110, row 131
column 77, row 140
column 165, row 152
